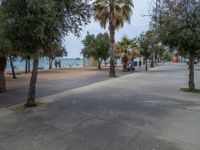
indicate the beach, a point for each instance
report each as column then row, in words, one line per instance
column 19, row 63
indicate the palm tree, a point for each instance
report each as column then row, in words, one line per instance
column 127, row 44
column 114, row 13
column 117, row 51
column 128, row 47
column 5, row 46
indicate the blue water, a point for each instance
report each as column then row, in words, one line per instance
column 44, row 63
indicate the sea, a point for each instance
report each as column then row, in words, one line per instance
column 19, row 64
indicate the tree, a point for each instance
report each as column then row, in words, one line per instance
column 12, row 66
column 4, row 45
column 128, row 47
column 127, row 44
column 96, row 47
column 114, row 13
column 53, row 53
column 54, row 50
column 145, row 46
column 167, row 56
column 32, row 23
column 156, row 20
column 117, row 51
column 180, row 29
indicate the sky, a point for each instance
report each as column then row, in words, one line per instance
column 138, row 24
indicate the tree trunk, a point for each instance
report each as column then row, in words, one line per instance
column 26, row 65
column 99, row 65
column 112, row 72
column 191, row 71
column 124, row 69
column 50, row 63
column 29, row 64
column 156, row 60
column 153, row 60
column 105, row 63
column 32, row 85
column 12, row 67
column 2, row 73
column 146, row 63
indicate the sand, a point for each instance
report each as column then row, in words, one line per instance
column 45, row 75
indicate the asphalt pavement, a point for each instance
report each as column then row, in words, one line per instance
column 142, row 111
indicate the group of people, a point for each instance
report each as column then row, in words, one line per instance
column 57, row 63
column 128, row 63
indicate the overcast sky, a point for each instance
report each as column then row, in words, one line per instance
column 138, row 25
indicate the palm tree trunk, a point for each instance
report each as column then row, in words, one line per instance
column 12, row 67
column 191, row 71
column 2, row 73
column 112, row 72
column 32, row 85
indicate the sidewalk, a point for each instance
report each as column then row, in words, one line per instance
column 142, row 111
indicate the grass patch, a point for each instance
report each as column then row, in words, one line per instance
column 190, row 90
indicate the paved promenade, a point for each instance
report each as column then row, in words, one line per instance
column 141, row 111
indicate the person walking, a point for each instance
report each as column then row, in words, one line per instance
column 59, row 63
column 140, row 63
column 56, row 63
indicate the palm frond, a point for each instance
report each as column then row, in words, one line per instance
column 122, row 12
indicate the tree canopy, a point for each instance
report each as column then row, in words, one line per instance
column 96, row 47
column 37, row 26
column 180, row 29
column 180, row 26
column 113, row 13
column 128, row 45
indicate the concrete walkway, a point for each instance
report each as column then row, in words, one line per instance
column 143, row 111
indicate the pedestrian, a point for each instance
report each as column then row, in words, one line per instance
column 59, row 63
column 140, row 63
column 132, row 64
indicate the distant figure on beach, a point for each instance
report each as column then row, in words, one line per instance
column 56, row 63
column 124, row 61
column 59, row 63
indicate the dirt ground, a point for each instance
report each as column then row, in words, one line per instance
column 45, row 75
